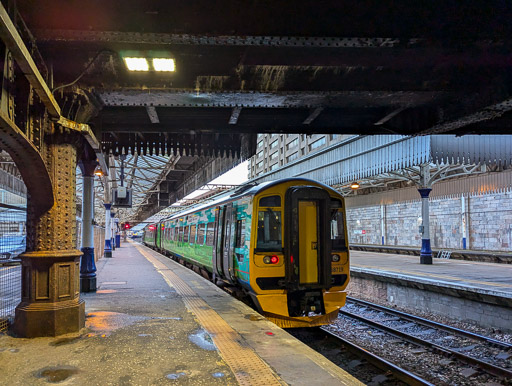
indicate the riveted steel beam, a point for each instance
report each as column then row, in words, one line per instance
column 292, row 99
column 15, row 44
column 223, row 40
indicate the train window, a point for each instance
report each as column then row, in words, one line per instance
column 181, row 234
column 269, row 230
column 240, row 234
column 272, row 201
column 338, row 231
column 210, row 233
column 185, row 234
column 200, row 234
column 193, row 234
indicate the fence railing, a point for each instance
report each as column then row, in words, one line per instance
column 10, row 291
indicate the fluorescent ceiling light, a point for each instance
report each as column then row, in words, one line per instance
column 137, row 64
column 163, row 64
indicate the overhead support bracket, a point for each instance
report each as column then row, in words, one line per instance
column 235, row 113
column 15, row 44
column 152, row 114
column 89, row 136
column 313, row 116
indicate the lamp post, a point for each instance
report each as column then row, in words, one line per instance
column 424, row 190
column 108, row 231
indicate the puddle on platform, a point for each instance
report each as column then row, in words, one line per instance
column 56, row 374
column 254, row 318
column 218, row 374
column 107, row 322
column 175, row 375
column 202, row 339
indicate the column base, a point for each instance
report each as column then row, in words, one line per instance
column 426, row 252
column 426, row 259
column 51, row 319
column 88, row 284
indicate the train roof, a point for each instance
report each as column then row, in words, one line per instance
column 249, row 189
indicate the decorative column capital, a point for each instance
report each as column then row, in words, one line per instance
column 88, row 167
column 424, row 192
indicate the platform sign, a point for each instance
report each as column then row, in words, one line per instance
column 360, row 231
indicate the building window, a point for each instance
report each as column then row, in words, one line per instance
column 273, row 144
column 260, row 154
column 260, row 144
column 259, row 165
column 317, row 144
column 292, row 144
column 292, row 157
column 275, row 166
column 274, row 156
column 334, row 136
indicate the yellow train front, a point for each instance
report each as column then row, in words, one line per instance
column 282, row 243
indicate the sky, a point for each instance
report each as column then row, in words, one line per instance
column 236, row 176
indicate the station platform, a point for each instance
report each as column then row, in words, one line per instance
column 153, row 321
column 485, row 289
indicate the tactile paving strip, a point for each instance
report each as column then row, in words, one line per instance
column 247, row 366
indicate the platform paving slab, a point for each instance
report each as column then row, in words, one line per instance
column 139, row 331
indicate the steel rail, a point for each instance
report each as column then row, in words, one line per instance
column 487, row 367
column 431, row 323
column 399, row 373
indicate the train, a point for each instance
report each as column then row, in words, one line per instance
column 282, row 244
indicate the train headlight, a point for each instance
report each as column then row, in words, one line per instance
column 335, row 258
column 271, row 259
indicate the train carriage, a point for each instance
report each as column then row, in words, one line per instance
column 282, row 243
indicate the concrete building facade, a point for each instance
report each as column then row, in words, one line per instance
column 276, row 150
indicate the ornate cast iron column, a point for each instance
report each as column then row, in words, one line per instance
column 113, row 234
column 51, row 304
column 88, row 266
column 108, row 232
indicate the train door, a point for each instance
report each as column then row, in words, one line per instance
column 229, row 243
column 219, row 241
column 308, row 242
column 158, row 236
column 307, row 238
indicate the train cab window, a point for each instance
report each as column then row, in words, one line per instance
column 192, row 234
column 272, row 201
column 210, row 233
column 269, row 230
column 337, row 228
column 200, row 233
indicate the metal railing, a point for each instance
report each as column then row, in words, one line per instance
column 12, row 243
column 10, row 291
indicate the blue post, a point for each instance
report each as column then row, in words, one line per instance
column 426, row 251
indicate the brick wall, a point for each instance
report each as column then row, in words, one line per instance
column 489, row 223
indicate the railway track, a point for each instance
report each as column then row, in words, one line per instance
column 483, row 353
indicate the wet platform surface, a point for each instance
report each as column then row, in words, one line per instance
column 485, row 278
column 153, row 321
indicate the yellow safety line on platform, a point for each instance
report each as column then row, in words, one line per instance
column 247, row 366
column 440, row 276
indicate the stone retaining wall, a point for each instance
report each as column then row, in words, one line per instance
column 489, row 219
